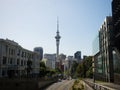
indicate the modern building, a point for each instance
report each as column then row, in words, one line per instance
column 103, row 58
column 95, row 45
column 116, row 24
column 40, row 51
column 61, row 58
column 49, row 60
column 69, row 61
column 105, row 40
column 97, row 61
column 77, row 56
column 116, row 39
column 14, row 58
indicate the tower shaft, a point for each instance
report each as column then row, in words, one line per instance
column 57, row 48
column 57, row 37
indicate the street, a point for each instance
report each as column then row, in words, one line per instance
column 61, row 85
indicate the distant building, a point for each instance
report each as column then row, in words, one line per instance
column 61, row 59
column 77, row 56
column 13, row 59
column 49, row 60
column 69, row 61
column 84, row 57
column 40, row 51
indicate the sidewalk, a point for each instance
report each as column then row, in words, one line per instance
column 110, row 85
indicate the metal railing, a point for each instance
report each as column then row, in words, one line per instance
column 96, row 86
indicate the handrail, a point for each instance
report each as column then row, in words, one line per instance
column 96, row 86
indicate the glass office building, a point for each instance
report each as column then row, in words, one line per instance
column 116, row 39
column 97, row 61
column 95, row 45
column 106, row 49
column 102, row 51
column 116, row 23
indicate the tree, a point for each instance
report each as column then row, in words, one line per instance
column 43, row 69
column 29, row 67
column 73, row 68
column 89, row 73
column 80, row 70
column 58, row 71
column 84, row 69
column 88, row 67
column 51, row 72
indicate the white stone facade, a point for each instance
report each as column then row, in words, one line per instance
column 50, row 60
column 13, row 59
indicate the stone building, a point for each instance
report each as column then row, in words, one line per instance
column 13, row 59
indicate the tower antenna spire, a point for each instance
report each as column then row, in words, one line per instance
column 57, row 24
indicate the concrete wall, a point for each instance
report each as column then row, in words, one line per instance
column 24, row 84
column 117, row 78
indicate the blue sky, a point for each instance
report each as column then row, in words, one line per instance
column 33, row 23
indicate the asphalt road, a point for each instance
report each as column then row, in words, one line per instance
column 61, row 85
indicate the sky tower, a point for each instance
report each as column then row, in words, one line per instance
column 57, row 37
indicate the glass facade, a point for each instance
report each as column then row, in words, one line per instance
column 116, row 61
column 116, row 22
column 99, row 63
column 102, row 52
column 95, row 45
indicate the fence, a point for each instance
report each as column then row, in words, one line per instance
column 96, row 86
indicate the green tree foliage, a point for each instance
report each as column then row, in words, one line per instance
column 84, row 69
column 29, row 67
column 88, row 67
column 51, row 72
column 42, row 64
column 58, row 71
column 80, row 70
column 89, row 73
column 43, row 69
column 73, row 69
